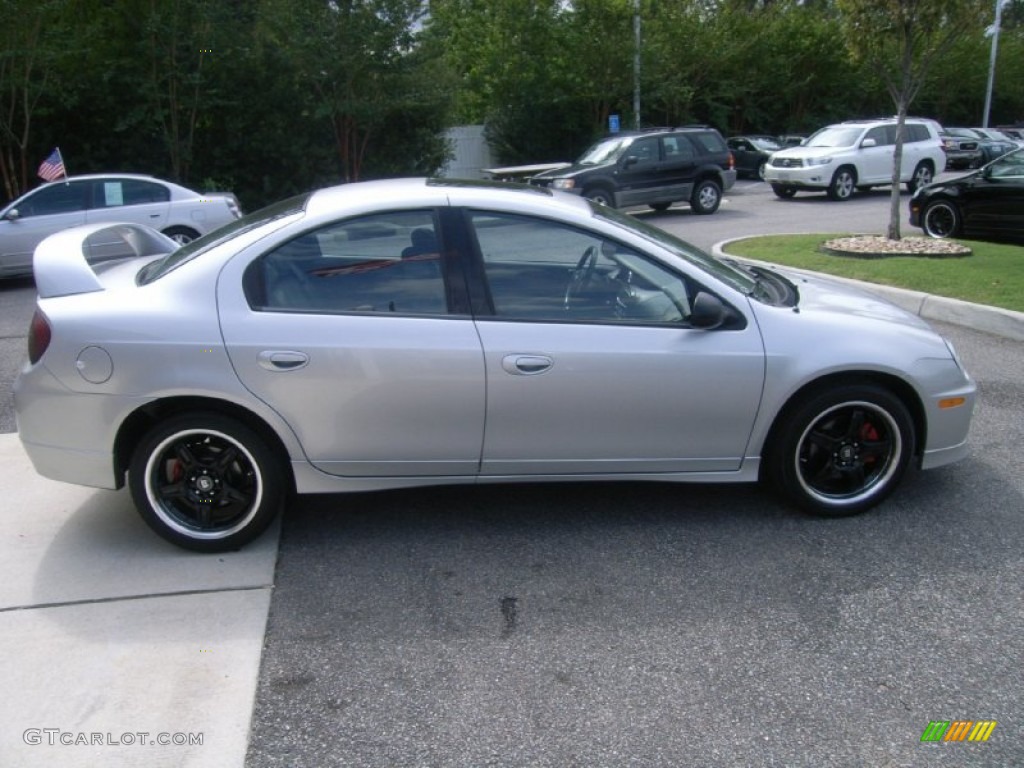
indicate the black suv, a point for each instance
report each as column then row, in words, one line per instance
column 656, row 168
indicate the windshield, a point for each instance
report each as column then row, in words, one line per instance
column 605, row 151
column 200, row 245
column 728, row 274
column 769, row 145
column 835, row 136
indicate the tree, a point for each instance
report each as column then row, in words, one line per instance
column 33, row 49
column 901, row 40
column 359, row 58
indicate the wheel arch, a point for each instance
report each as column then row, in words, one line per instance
column 144, row 418
column 894, row 384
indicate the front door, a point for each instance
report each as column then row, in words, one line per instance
column 592, row 367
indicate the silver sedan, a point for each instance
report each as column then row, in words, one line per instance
column 179, row 213
column 423, row 332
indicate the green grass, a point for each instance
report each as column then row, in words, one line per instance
column 993, row 274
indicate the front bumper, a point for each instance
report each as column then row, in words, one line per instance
column 813, row 177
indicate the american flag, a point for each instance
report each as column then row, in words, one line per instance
column 52, row 168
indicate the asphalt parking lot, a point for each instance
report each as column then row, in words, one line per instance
column 609, row 625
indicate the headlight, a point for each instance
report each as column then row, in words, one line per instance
column 810, row 162
column 563, row 183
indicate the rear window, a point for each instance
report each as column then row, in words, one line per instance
column 159, row 268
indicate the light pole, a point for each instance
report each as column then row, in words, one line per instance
column 992, row 62
column 636, row 62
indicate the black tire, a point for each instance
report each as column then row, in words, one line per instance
column 600, row 195
column 842, row 450
column 706, row 197
column 923, row 176
column 181, row 235
column 844, row 181
column 940, row 219
column 660, row 206
column 206, row 482
column 783, row 191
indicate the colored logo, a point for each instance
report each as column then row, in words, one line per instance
column 958, row 730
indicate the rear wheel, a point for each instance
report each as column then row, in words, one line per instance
column 922, row 177
column 843, row 183
column 181, row 235
column 206, row 482
column 843, row 450
column 706, row 197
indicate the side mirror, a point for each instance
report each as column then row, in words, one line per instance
column 630, row 161
column 867, row 143
column 12, row 215
column 708, row 312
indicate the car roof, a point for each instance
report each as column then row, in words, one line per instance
column 404, row 193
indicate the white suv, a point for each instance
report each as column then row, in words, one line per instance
column 857, row 155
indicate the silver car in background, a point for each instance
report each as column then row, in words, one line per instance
column 180, row 213
column 424, row 332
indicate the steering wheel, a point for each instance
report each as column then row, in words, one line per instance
column 582, row 275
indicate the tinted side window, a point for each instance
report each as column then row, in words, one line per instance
column 545, row 271
column 915, row 132
column 711, row 141
column 883, row 135
column 111, row 194
column 677, row 148
column 645, row 151
column 63, row 198
column 385, row 263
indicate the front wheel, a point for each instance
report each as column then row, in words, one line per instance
column 940, row 219
column 706, row 197
column 600, row 195
column 843, row 184
column 781, row 190
column 206, row 482
column 843, row 450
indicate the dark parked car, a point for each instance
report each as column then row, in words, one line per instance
column 657, row 168
column 967, row 148
column 751, row 153
column 986, row 204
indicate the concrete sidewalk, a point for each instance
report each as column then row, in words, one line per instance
column 113, row 641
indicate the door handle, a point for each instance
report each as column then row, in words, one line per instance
column 526, row 365
column 282, row 360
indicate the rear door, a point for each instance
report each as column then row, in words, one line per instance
column 349, row 332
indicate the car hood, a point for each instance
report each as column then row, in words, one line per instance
column 833, row 315
column 567, row 171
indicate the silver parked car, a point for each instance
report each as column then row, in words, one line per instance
column 422, row 332
column 179, row 213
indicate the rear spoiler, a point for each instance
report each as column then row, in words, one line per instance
column 60, row 264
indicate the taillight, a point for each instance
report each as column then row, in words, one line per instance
column 732, row 162
column 38, row 337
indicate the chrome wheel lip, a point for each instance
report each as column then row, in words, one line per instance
column 173, row 520
column 877, row 482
